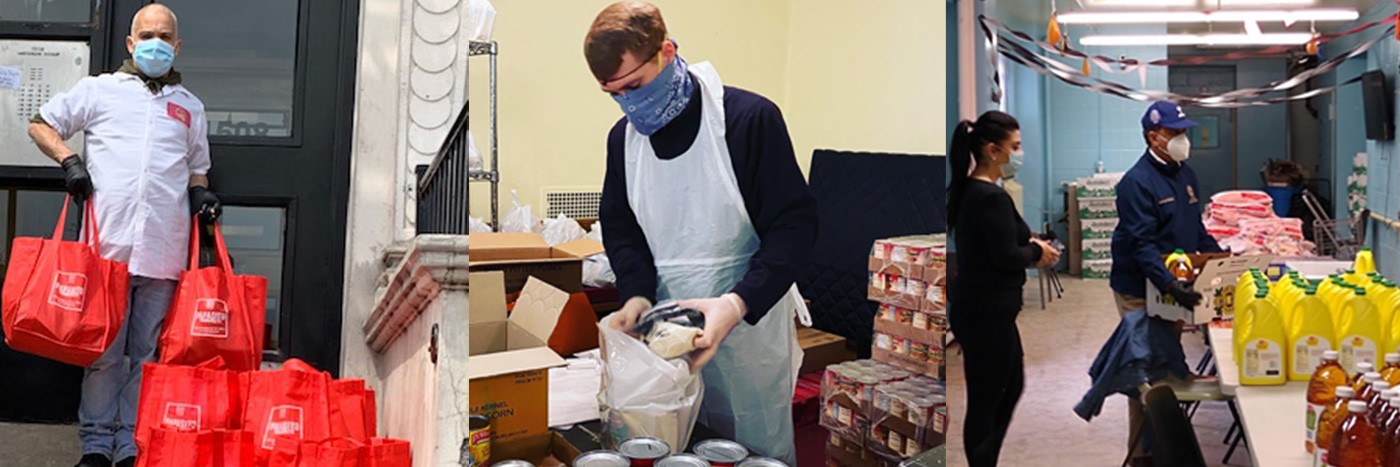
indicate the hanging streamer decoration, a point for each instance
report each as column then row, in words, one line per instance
column 1043, row 64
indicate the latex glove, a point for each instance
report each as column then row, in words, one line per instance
column 75, row 176
column 721, row 315
column 627, row 316
column 204, row 204
column 1183, row 294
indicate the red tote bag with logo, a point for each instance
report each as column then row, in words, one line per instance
column 352, row 410
column 62, row 300
column 222, row 448
column 187, row 399
column 216, row 313
column 286, row 403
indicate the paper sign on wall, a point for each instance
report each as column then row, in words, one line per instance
column 32, row 72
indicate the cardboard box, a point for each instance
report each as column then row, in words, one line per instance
column 1098, row 208
column 1097, row 249
column 820, row 349
column 931, row 367
column 1216, row 275
column 1097, row 228
column 523, row 255
column 546, row 450
column 508, row 364
column 1097, row 269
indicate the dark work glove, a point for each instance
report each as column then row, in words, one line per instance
column 75, row 176
column 1183, row 294
column 204, row 204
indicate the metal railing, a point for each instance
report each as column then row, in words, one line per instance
column 442, row 185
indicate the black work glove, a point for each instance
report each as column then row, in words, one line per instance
column 75, row 176
column 1183, row 294
column 204, row 204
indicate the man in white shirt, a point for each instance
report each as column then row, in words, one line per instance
column 146, row 173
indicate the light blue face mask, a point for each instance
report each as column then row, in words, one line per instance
column 1009, row 169
column 651, row 107
column 153, row 57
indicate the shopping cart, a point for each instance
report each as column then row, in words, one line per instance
column 1337, row 238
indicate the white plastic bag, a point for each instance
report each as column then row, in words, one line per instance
column 596, row 232
column 597, row 271
column 474, row 163
column 476, row 225
column 521, row 219
column 643, row 395
column 560, row 230
column 481, row 19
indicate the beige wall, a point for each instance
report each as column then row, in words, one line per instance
column 868, row 79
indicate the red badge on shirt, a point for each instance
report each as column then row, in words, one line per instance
column 178, row 113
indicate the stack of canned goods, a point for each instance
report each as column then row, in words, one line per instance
column 921, row 320
column 652, row 452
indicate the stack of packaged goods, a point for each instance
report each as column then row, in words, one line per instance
column 1283, row 328
column 908, row 277
column 1098, row 217
column 879, row 413
column 1245, row 222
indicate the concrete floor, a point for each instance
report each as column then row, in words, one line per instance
column 1060, row 343
column 37, row 445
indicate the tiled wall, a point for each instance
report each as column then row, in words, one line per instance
column 1383, row 195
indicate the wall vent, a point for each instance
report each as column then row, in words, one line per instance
column 574, row 203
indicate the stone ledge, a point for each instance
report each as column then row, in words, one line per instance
column 429, row 265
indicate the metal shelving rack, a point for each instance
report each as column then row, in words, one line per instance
column 489, row 173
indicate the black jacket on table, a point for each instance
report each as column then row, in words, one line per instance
column 781, row 207
column 993, row 251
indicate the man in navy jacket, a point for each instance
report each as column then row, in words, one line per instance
column 1159, row 210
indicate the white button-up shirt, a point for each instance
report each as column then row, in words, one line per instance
column 142, row 148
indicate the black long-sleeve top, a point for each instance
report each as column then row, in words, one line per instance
column 776, row 196
column 994, row 249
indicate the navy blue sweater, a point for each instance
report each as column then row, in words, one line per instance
column 1158, row 211
column 781, row 207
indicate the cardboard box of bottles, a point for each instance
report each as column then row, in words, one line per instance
column 1097, row 249
column 1097, row 269
column 1091, row 229
column 1098, row 208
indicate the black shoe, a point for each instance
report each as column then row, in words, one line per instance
column 94, row 460
column 128, row 462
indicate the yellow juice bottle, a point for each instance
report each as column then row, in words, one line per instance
column 1311, row 334
column 1244, row 319
column 1364, row 263
column 1359, row 330
column 1265, row 360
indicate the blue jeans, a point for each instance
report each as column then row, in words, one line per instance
column 112, row 385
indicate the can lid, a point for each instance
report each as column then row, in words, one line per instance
column 683, row 460
column 644, row 448
column 1356, row 406
column 601, row 458
column 761, row 462
column 721, row 451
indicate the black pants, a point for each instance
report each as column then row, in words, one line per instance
column 995, row 371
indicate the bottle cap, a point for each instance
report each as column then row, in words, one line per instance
column 1311, row 291
column 1262, row 293
column 1330, row 355
column 1180, row 251
column 1372, row 376
column 1360, row 292
column 1356, row 406
column 1380, row 385
column 1392, row 357
column 1386, row 393
column 1395, row 402
column 1346, row 391
column 1364, row 367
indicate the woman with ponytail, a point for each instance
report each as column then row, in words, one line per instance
column 994, row 248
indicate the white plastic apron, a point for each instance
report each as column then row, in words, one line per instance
column 702, row 240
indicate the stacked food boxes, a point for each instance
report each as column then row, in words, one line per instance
column 877, row 413
column 908, row 277
column 1095, row 215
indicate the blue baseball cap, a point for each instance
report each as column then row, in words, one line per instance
column 1166, row 114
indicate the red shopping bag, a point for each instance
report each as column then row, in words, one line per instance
column 352, row 410
column 187, row 399
column 62, row 300
column 172, row 448
column 286, row 402
column 385, row 452
column 215, row 312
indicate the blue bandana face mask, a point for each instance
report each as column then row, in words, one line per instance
column 153, row 57
column 652, row 106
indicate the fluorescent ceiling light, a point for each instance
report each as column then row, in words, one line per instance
column 1199, row 39
column 1217, row 16
column 1252, row 27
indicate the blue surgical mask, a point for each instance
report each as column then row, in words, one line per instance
column 153, row 57
column 652, row 106
column 1013, row 165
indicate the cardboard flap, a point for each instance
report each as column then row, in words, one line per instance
column 500, row 363
column 581, row 248
column 496, row 246
column 1218, row 272
column 487, row 297
column 538, row 309
column 488, row 338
